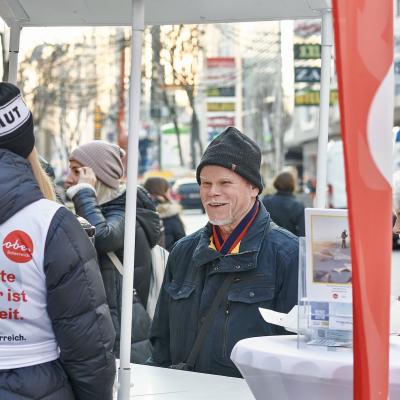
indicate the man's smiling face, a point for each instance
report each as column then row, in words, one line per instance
column 226, row 196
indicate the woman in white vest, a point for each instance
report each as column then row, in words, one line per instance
column 56, row 333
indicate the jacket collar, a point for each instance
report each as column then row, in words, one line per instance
column 245, row 259
column 282, row 193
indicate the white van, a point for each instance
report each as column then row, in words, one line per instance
column 335, row 178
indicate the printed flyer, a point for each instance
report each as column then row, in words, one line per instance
column 328, row 256
column 329, row 277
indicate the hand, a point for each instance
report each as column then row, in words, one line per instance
column 86, row 175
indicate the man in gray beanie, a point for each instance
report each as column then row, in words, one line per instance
column 218, row 277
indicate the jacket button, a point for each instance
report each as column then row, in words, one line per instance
column 216, row 268
column 237, row 266
column 251, row 294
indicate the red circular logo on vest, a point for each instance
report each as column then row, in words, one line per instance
column 18, row 247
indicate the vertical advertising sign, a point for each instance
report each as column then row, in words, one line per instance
column 221, row 96
column 364, row 53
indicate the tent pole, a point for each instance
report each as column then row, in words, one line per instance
column 124, row 372
column 326, row 49
column 15, row 32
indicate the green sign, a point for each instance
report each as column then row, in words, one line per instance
column 307, row 51
column 221, row 91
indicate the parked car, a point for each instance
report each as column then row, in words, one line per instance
column 186, row 191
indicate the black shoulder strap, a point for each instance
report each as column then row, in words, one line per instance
column 207, row 321
column 211, row 314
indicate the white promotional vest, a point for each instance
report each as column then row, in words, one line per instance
column 26, row 334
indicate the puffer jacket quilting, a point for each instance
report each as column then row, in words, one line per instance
column 82, row 324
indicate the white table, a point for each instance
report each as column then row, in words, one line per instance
column 275, row 369
column 153, row 383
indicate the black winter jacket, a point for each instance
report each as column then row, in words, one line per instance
column 109, row 220
column 173, row 225
column 76, row 303
column 286, row 211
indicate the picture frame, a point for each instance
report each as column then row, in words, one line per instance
column 328, row 255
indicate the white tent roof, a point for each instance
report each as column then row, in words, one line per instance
column 158, row 12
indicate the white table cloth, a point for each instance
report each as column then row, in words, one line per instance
column 275, row 369
column 153, row 383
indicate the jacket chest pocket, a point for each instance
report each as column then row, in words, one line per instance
column 180, row 291
column 242, row 317
column 181, row 302
column 181, row 311
column 252, row 294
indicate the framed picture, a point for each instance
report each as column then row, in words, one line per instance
column 328, row 256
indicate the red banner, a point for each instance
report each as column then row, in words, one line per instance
column 364, row 51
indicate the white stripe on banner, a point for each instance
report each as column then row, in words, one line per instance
column 13, row 115
column 380, row 124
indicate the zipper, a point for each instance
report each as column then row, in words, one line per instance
column 227, row 312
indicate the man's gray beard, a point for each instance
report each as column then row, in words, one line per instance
column 220, row 223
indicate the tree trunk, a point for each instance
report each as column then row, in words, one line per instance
column 195, row 130
column 172, row 113
column 196, row 139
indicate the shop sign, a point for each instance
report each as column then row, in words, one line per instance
column 311, row 98
column 307, row 51
column 220, row 107
column 307, row 74
column 220, row 121
column 221, row 91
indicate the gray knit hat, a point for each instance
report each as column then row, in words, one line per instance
column 234, row 151
column 104, row 159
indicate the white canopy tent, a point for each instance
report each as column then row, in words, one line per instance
column 137, row 13
column 157, row 12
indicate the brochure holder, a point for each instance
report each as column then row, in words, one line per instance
column 324, row 304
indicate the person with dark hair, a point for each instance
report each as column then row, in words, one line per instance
column 99, row 195
column 56, row 332
column 283, row 207
column 169, row 211
column 217, row 278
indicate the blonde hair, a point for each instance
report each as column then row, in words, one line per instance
column 42, row 178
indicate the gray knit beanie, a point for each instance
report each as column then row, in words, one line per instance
column 104, row 159
column 234, row 151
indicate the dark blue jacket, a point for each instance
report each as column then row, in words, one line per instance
column 266, row 270
column 286, row 211
column 76, row 303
